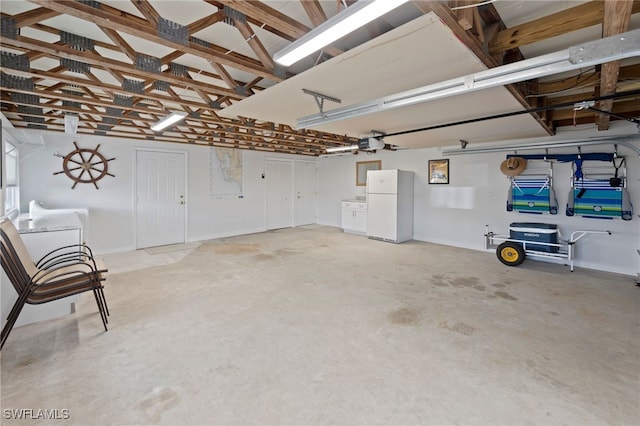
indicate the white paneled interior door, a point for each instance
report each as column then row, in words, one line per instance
column 305, row 200
column 279, row 175
column 160, row 198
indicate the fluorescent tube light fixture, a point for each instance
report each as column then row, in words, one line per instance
column 338, row 26
column 167, row 121
column 342, row 148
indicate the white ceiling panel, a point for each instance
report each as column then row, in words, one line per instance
column 421, row 52
column 14, row 7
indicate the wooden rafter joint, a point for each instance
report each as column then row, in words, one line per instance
column 468, row 17
column 463, row 12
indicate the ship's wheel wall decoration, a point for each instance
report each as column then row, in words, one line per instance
column 85, row 165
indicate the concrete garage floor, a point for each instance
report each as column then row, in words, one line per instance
column 310, row 326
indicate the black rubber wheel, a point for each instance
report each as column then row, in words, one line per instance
column 511, row 254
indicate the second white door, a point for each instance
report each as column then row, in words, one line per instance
column 279, row 175
column 305, row 192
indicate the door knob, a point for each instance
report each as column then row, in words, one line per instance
column 181, row 202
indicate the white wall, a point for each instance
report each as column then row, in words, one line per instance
column 456, row 214
column 111, row 208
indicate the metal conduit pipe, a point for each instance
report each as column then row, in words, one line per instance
column 623, row 140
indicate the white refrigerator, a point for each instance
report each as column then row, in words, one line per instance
column 390, row 205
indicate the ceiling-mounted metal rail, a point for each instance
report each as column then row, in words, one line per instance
column 621, row 140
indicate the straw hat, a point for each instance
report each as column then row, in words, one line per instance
column 513, row 166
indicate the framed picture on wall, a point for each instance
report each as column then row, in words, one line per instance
column 361, row 170
column 439, row 171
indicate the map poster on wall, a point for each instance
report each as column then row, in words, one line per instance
column 225, row 168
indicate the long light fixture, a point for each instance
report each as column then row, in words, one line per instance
column 621, row 46
column 342, row 148
column 338, row 26
column 370, row 143
column 167, row 121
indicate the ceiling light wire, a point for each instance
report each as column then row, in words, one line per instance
column 474, row 5
column 568, row 89
column 577, row 85
column 245, row 40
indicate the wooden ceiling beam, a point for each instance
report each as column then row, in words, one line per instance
column 493, row 23
column 33, row 55
column 205, row 22
column 463, row 14
column 55, row 31
column 575, row 18
column 170, row 57
column 273, row 18
column 574, row 98
column 200, row 93
column 255, row 43
column 128, row 51
column 489, row 14
column 257, row 23
column 118, row 20
column 93, row 78
column 100, row 61
column 33, row 16
column 53, row 72
column 92, row 95
column 186, row 109
column 310, row 138
column 114, row 74
column 147, row 11
column 617, row 15
column 477, row 26
column 267, row 15
column 58, row 96
column 99, row 85
column 175, row 95
column 120, row 42
column 252, row 85
column 226, row 77
column 314, row 12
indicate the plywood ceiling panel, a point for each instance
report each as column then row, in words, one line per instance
column 421, row 52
